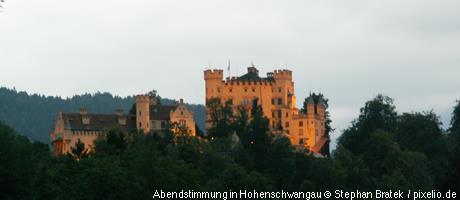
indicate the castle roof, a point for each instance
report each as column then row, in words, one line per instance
column 310, row 100
column 161, row 112
column 97, row 122
column 253, row 75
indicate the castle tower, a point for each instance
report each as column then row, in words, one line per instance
column 143, row 113
column 213, row 79
column 310, row 107
column 284, row 87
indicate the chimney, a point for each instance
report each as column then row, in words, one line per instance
column 253, row 70
column 120, row 117
column 83, row 111
column 85, row 118
column 181, row 101
column 119, row 112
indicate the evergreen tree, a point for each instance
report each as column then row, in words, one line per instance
column 79, row 151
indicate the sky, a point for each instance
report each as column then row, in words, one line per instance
column 348, row 50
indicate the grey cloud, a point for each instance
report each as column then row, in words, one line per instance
column 349, row 50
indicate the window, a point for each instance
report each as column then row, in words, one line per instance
column 279, row 113
column 286, row 125
column 181, row 112
column 253, row 90
column 140, row 113
column 279, row 90
column 301, row 124
column 273, row 101
column 280, row 101
column 140, row 124
column 163, row 124
column 287, row 114
column 230, row 90
column 301, row 141
column 245, row 89
column 182, row 123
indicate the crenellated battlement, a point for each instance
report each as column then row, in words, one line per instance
column 282, row 74
column 142, row 98
column 214, row 74
column 235, row 81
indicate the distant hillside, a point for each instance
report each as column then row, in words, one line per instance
column 34, row 115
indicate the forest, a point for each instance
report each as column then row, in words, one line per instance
column 381, row 149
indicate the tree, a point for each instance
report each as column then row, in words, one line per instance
column 79, row 151
column 452, row 181
column 257, row 141
column 379, row 113
column 114, row 142
column 221, row 117
column 421, row 132
column 20, row 162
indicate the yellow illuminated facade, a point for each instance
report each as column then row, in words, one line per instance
column 276, row 96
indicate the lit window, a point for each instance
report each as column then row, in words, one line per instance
column 182, row 123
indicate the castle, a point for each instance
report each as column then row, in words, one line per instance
column 275, row 94
column 150, row 117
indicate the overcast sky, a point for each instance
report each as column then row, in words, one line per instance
column 348, row 50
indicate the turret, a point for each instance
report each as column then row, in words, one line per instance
column 216, row 74
column 143, row 113
column 283, row 74
column 213, row 80
column 310, row 106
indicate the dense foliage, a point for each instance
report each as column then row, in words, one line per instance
column 380, row 150
column 34, row 115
